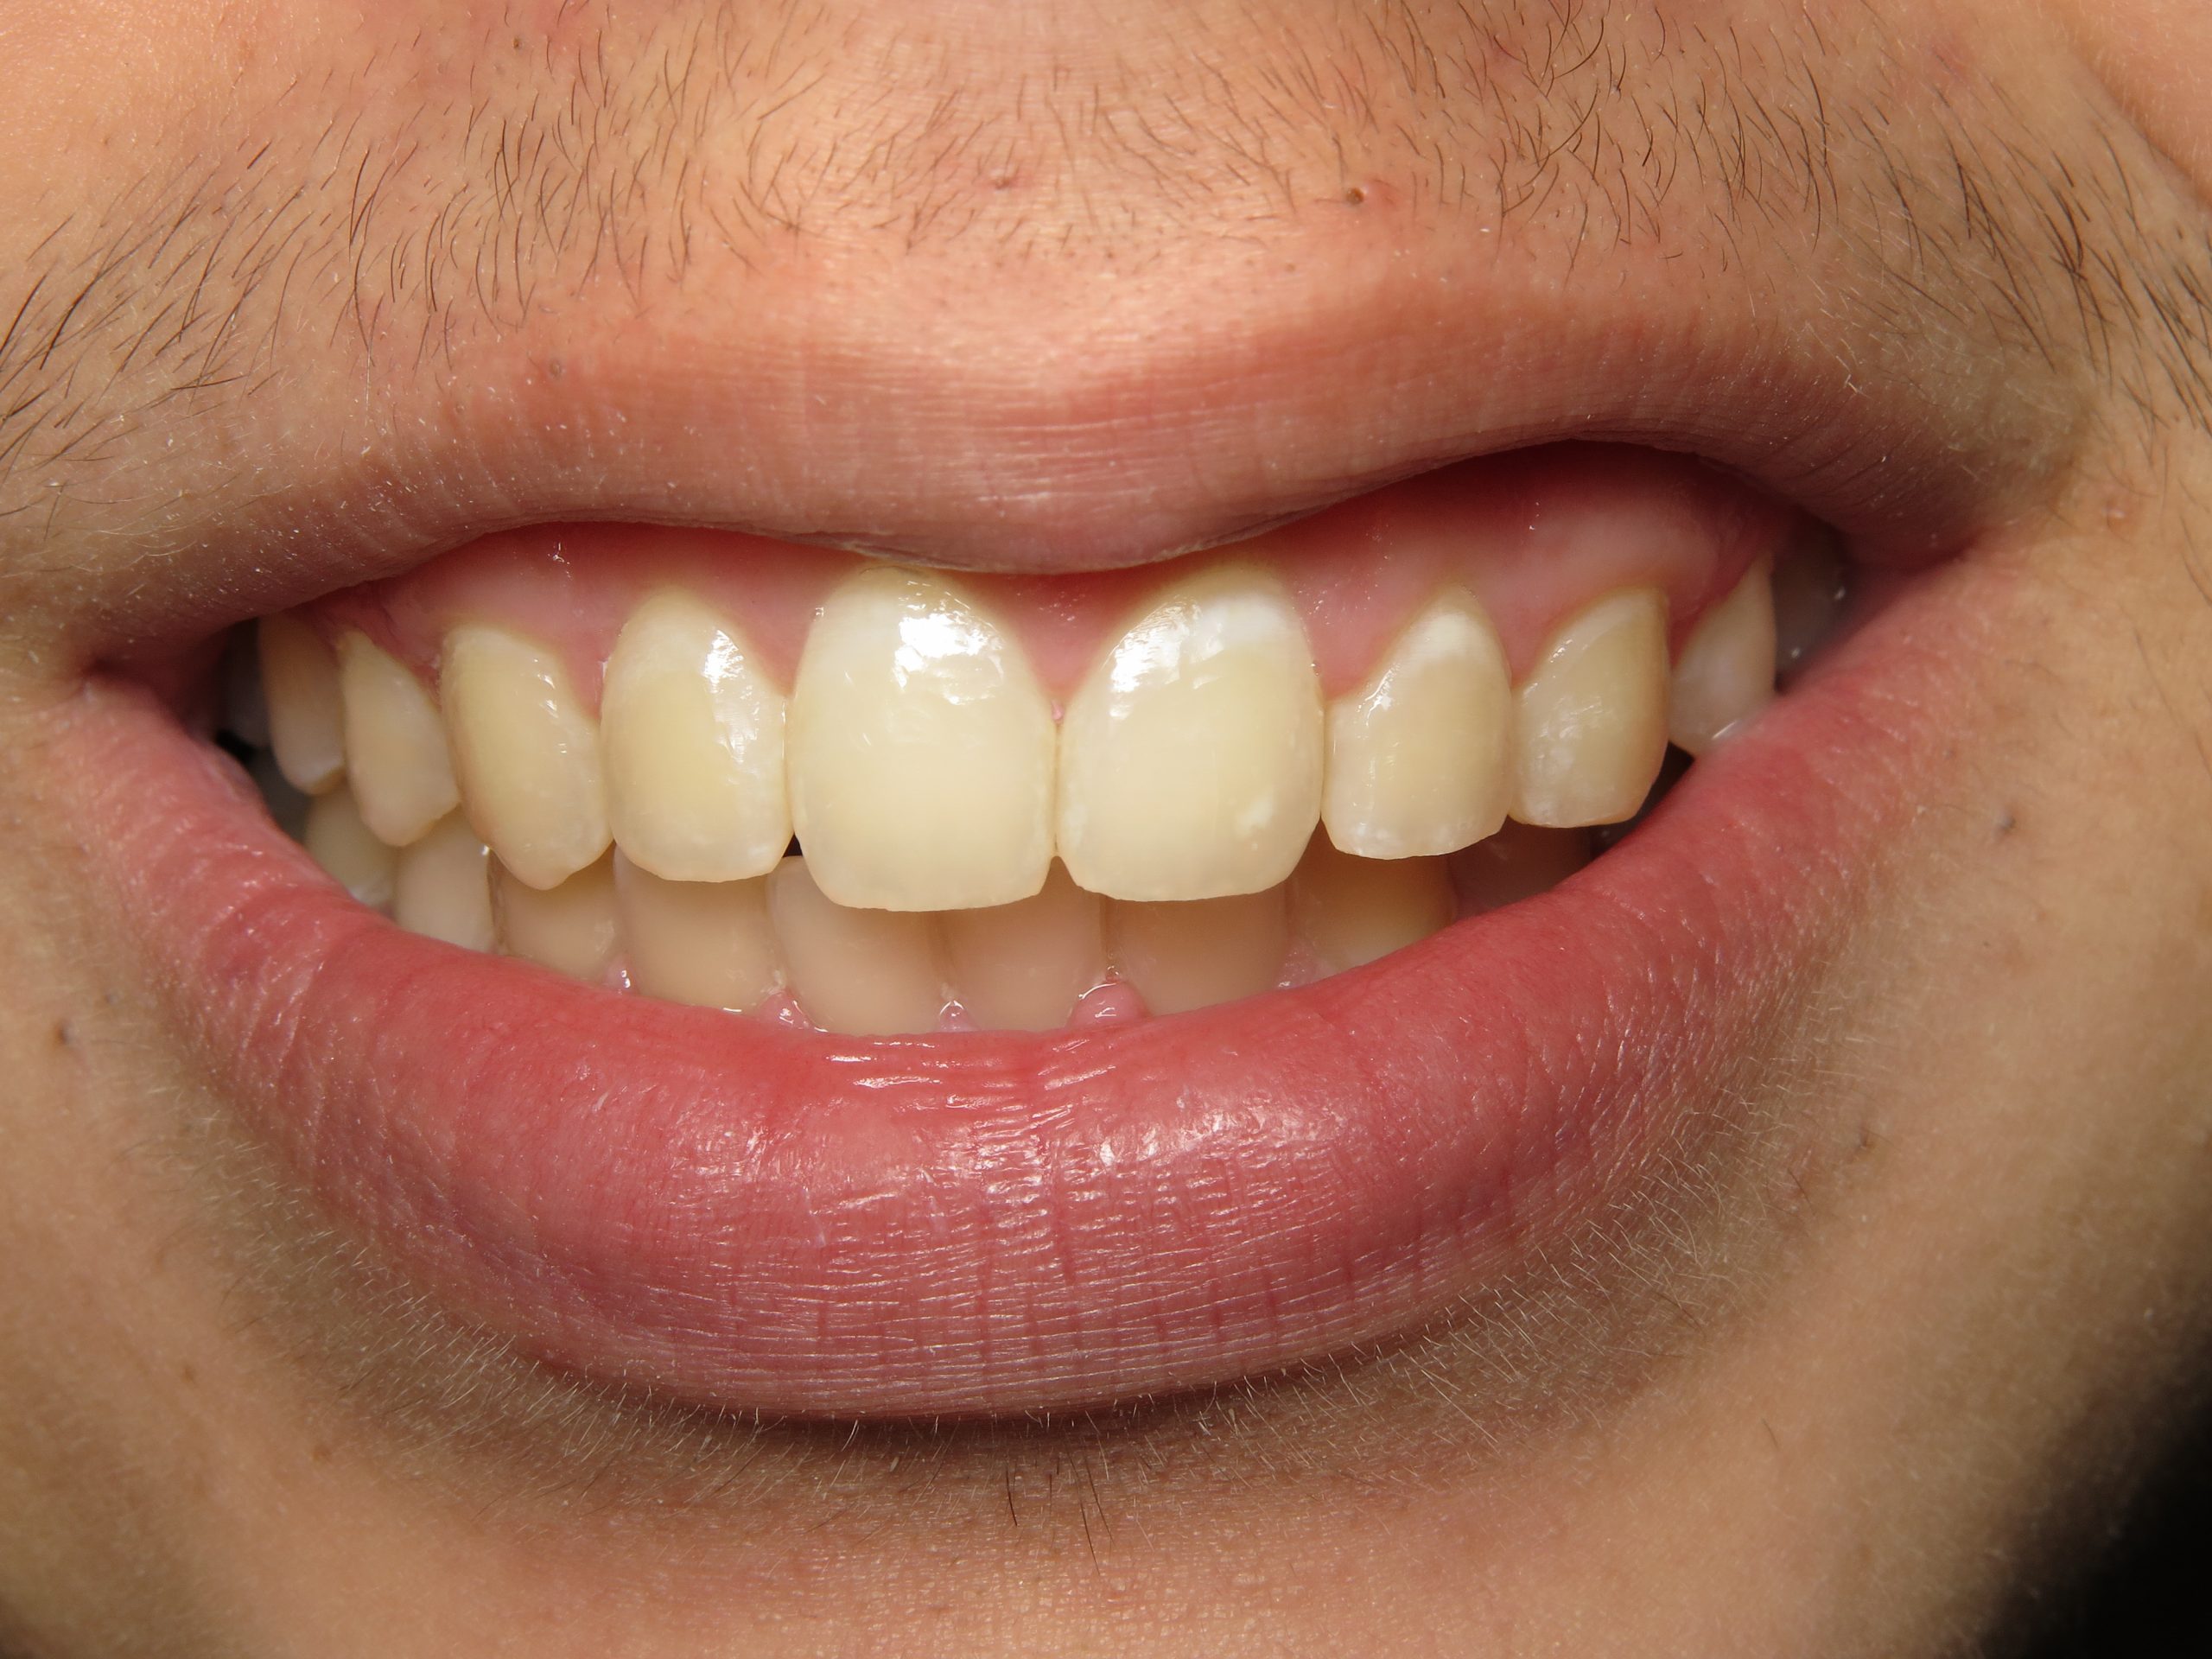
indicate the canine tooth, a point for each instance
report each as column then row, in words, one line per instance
column 1420, row 757
column 571, row 928
column 862, row 973
column 395, row 754
column 705, row 943
column 1517, row 862
column 443, row 889
column 1190, row 756
column 1590, row 721
column 1725, row 672
column 300, row 698
column 921, row 751
column 348, row 851
column 1353, row 909
column 693, row 735
column 1195, row 953
column 527, row 754
column 1023, row 966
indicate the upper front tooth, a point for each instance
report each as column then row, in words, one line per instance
column 693, row 732
column 1190, row 756
column 299, row 691
column 1420, row 757
column 527, row 753
column 1592, row 719
column 921, row 751
column 396, row 752
column 1726, row 673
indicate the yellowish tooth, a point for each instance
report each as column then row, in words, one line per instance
column 299, row 690
column 1725, row 672
column 1191, row 755
column 395, row 755
column 1353, row 909
column 862, row 973
column 705, row 943
column 692, row 730
column 348, row 851
column 443, row 889
column 1023, row 966
column 1420, row 757
column 1590, row 721
column 921, row 751
column 1517, row 862
column 1192, row 955
column 527, row 753
column 573, row 928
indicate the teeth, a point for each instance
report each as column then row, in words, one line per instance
column 1190, row 757
column 571, row 928
column 1420, row 759
column 864, row 973
column 1023, row 966
column 1590, row 721
column 299, row 690
column 922, row 751
column 395, row 744
column 1352, row 911
column 527, row 753
column 1519, row 862
column 1179, row 956
column 1811, row 584
column 693, row 738
column 705, row 943
column 338, row 840
column 1725, row 672
column 443, row 889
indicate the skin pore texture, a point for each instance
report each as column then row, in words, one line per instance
column 295, row 295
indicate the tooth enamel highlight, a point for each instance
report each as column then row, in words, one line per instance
column 443, row 888
column 395, row 755
column 338, row 840
column 527, row 754
column 863, row 973
column 692, row 732
column 1179, row 956
column 572, row 928
column 921, row 751
column 1023, row 966
column 1725, row 672
column 1590, row 720
column 705, row 943
column 1420, row 757
column 1190, row 756
column 1519, row 862
column 1352, row 911
column 299, row 690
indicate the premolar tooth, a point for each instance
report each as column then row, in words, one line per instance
column 1353, row 909
column 443, row 888
column 1725, row 672
column 1023, row 966
column 299, row 693
column 693, row 735
column 395, row 755
column 527, row 753
column 1590, row 721
column 863, row 973
column 1190, row 756
column 921, row 751
column 1519, row 862
column 1192, row 955
column 571, row 928
column 1420, row 757
column 348, row 851
column 705, row 943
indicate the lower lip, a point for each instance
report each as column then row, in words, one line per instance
column 748, row 1217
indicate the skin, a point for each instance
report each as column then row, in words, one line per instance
column 1869, row 1375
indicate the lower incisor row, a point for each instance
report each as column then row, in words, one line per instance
column 925, row 769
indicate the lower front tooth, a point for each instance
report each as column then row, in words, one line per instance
column 705, row 943
column 572, row 928
column 1590, row 720
column 1725, row 672
column 861, row 973
column 395, row 755
column 349, row 852
column 1519, row 861
column 1192, row 955
column 1023, row 966
column 443, row 888
column 1352, row 911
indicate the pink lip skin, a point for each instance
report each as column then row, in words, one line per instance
column 752, row 1217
